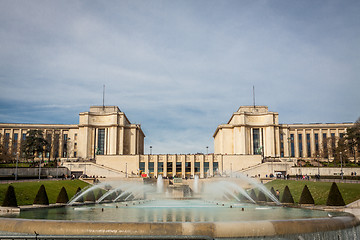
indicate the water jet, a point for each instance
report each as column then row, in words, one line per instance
column 133, row 208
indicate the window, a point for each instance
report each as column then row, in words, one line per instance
column 75, row 146
column 15, row 142
column 75, row 136
column 65, row 149
column 317, row 143
column 75, row 154
column 300, row 145
column 56, row 145
column 23, row 136
column 178, row 167
column 215, row 166
column 160, row 167
column 197, row 167
column 142, row 166
column 6, row 140
column 325, row 146
column 151, row 167
column 206, row 167
column 101, row 142
column 281, row 145
column 308, row 145
column 169, row 167
column 256, row 141
column 188, row 167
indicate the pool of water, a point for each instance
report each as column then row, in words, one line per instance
column 173, row 211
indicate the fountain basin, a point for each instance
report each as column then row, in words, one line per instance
column 211, row 229
column 177, row 218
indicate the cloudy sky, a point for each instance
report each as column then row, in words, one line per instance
column 179, row 68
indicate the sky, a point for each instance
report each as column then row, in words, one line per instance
column 179, row 68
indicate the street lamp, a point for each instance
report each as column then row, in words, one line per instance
column 150, row 150
column 16, row 171
column 126, row 170
column 318, row 165
column 67, row 149
column 342, row 174
column 289, row 146
column 207, row 150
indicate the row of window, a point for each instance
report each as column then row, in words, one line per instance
column 53, row 143
column 178, row 167
column 326, row 141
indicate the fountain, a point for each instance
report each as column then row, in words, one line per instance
column 220, row 208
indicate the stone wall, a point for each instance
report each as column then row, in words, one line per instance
column 34, row 172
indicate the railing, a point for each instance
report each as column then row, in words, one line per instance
column 56, row 237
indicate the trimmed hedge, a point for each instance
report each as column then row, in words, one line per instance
column 78, row 191
column 253, row 195
column 90, row 197
column 262, row 197
column 10, row 198
column 99, row 194
column 41, row 197
column 306, row 197
column 287, row 197
column 272, row 190
column 335, row 198
column 63, row 196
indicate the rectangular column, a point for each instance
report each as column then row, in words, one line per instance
column 296, row 143
column 312, row 143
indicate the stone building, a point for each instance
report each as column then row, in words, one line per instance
column 104, row 130
column 251, row 135
column 256, row 131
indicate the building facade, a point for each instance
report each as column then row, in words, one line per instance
column 254, row 130
column 253, row 133
column 104, row 130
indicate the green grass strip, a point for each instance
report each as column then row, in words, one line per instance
column 319, row 190
column 26, row 191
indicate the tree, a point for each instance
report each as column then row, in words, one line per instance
column 340, row 152
column 5, row 155
column 33, row 144
column 353, row 138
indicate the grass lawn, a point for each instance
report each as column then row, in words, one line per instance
column 26, row 191
column 319, row 190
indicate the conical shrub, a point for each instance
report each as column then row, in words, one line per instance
column 63, row 196
column 306, row 197
column 90, row 197
column 272, row 190
column 99, row 194
column 10, row 197
column 261, row 197
column 335, row 198
column 78, row 191
column 287, row 197
column 253, row 195
column 41, row 197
